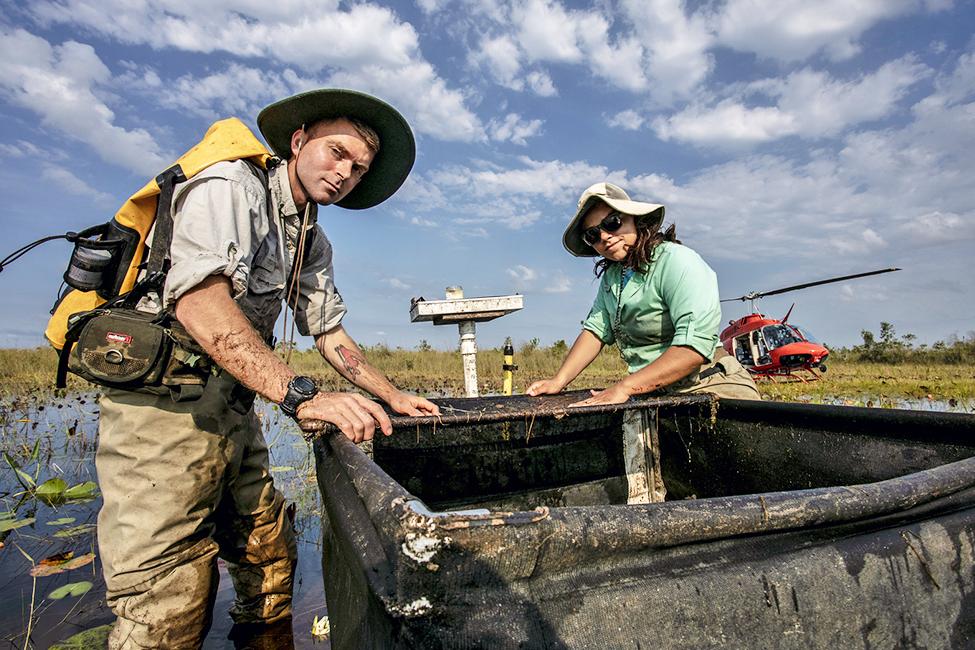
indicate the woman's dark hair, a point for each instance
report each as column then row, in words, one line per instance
column 648, row 237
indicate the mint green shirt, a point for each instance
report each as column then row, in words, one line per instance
column 675, row 303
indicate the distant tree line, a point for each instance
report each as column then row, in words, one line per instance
column 887, row 347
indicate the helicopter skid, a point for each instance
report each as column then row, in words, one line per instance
column 788, row 376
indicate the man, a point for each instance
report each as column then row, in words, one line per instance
column 186, row 482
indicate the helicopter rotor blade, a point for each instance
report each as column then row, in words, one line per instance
column 754, row 295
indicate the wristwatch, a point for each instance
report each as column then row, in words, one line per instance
column 300, row 390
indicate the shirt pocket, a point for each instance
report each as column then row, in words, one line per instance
column 267, row 276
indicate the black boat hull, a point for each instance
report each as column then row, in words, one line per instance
column 785, row 526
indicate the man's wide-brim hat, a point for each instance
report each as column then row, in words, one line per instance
column 614, row 197
column 397, row 149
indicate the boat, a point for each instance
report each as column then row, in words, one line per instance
column 663, row 522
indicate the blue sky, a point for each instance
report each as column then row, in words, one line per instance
column 789, row 140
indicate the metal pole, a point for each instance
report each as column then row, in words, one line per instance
column 468, row 351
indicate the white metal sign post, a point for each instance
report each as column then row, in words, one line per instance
column 464, row 312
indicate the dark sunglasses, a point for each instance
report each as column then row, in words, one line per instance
column 610, row 223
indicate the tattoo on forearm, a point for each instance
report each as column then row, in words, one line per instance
column 351, row 360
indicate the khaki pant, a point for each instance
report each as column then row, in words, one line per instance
column 731, row 379
column 184, row 483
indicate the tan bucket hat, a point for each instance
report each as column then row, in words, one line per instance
column 397, row 149
column 614, row 197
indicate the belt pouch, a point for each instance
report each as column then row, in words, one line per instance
column 121, row 348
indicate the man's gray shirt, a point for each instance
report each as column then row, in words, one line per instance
column 224, row 223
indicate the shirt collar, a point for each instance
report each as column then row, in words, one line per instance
column 282, row 198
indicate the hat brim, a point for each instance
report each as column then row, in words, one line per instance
column 397, row 148
column 572, row 237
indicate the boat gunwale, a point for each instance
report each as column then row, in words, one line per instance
column 677, row 522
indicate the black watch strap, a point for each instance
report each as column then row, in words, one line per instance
column 300, row 390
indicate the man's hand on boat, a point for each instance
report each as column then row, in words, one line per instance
column 354, row 415
column 413, row 405
column 357, row 417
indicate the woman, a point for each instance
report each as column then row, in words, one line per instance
column 665, row 324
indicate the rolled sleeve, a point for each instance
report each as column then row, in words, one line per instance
column 599, row 321
column 690, row 289
column 217, row 216
column 320, row 307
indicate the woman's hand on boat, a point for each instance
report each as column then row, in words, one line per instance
column 412, row 405
column 615, row 394
column 545, row 387
column 354, row 415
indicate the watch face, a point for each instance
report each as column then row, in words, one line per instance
column 304, row 385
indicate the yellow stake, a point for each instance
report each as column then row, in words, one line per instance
column 509, row 367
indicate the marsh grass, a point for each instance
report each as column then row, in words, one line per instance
column 881, row 380
column 439, row 373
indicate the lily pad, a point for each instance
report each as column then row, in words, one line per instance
column 60, row 563
column 82, row 490
column 75, row 531
column 94, row 638
column 71, row 589
column 51, row 488
column 11, row 524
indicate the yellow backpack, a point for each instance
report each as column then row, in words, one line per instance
column 227, row 139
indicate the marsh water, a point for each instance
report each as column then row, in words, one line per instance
column 67, row 430
column 49, row 437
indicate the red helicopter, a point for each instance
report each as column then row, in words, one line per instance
column 772, row 348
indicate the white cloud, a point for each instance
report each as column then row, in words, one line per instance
column 523, row 276
column 60, row 83
column 959, row 85
column 547, row 31
column 938, row 227
column 677, row 60
column 396, row 283
column 551, row 179
column 502, row 58
column 236, row 90
column 793, row 30
column 729, row 123
column 431, row 6
column 64, row 180
column 860, row 243
column 628, row 119
column 824, row 106
column 426, row 223
column 541, row 83
column 620, row 63
column 529, row 190
column 884, row 194
column 559, row 284
column 513, row 129
column 878, row 198
column 810, row 104
column 20, row 149
column 378, row 53
column 428, row 104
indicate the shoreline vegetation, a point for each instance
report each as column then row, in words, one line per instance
column 882, row 368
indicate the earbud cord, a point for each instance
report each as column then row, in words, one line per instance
column 289, row 336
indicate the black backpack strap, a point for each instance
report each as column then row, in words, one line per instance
column 162, row 237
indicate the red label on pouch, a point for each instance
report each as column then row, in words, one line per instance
column 115, row 337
